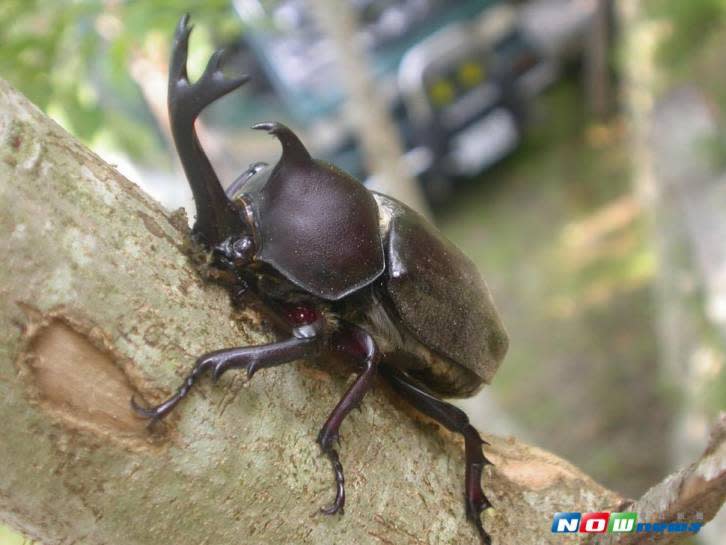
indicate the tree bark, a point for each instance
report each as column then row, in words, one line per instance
column 100, row 302
column 596, row 69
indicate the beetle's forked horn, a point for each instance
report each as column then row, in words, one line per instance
column 217, row 216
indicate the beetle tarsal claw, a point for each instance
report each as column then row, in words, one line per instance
column 151, row 414
column 332, row 509
column 139, row 410
column 474, row 512
column 485, row 538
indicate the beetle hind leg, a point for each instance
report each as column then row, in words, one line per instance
column 455, row 420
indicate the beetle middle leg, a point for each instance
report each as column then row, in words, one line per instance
column 455, row 420
column 359, row 344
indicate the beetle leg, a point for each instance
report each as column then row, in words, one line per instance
column 455, row 420
column 357, row 343
column 217, row 217
column 243, row 178
column 303, row 344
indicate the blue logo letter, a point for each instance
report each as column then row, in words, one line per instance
column 565, row 523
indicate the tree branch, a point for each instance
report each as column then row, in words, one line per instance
column 695, row 493
column 99, row 302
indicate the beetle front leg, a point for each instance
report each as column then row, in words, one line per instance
column 455, row 420
column 303, row 344
column 359, row 344
column 236, row 186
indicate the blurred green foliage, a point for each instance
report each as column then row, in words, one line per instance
column 690, row 21
column 72, row 58
column 691, row 50
column 10, row 537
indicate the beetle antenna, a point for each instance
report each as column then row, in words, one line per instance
column 292, row 148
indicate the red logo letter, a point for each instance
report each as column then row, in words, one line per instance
column 594, row 523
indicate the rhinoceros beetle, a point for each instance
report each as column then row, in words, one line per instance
column 349, row 270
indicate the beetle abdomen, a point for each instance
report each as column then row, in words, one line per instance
column 439, row 295
column 405, row 351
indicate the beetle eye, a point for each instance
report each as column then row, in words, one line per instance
column 242, row 247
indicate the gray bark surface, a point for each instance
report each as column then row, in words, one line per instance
column 99, row 301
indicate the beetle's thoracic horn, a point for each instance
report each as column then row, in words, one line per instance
column 292, row 148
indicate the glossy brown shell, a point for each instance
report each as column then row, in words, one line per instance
column 440, row 296
column 316, row 224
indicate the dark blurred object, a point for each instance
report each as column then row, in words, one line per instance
column 458, row 77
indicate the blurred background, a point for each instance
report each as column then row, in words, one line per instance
column 575, row 149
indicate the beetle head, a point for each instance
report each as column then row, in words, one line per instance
column 234, row 253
